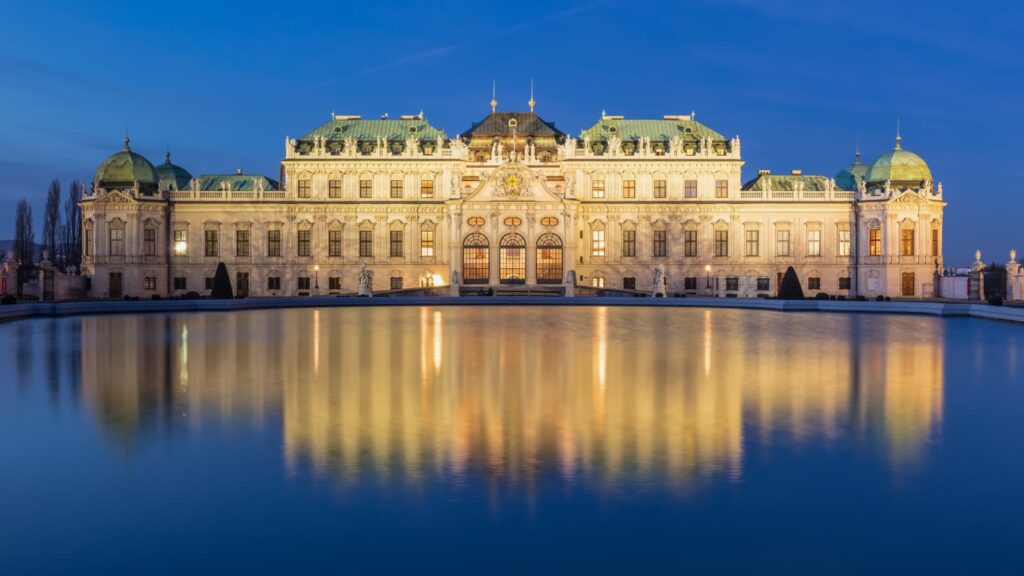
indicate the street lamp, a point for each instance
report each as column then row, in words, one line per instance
column 707, row 277
column 180, row 248
column 316, row 281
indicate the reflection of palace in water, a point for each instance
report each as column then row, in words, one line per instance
column 606, row 394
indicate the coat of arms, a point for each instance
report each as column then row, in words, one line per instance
column 512, row 184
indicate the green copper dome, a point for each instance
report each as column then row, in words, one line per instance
column 125, row 168
column 898, row 165
column 848, row 178
column 172, row 176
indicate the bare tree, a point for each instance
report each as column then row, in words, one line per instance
column 51, row 219
column 70, row 231
column 24, row 237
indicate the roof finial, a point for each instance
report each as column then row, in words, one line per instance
column 856, row 156
column 899, row 140
column 494, row 96
column 167, row 156
column 532, row 102
column 126, row 139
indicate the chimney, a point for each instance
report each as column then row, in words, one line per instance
column 238, row 171
column 796, row 172
column 764, row 172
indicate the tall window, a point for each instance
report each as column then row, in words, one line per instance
column 814, row 242
column 366, row 189
column 690, row 243
column 396, row 282
column 334, row 188
column 844, row 242
column 597, row 245
column 303, row 246
column 629, row 243
column 629, row 188
column 117, row 241
column 427, row 243
column 597, row 188
column 210, row 243
column 907, row 242
column 365, row 243
column 426, row 188
column 660, row 243
column 334, row 243
column 752, row 242
column 304, row 188
column 935, row 241
column 396, row 243
column 782, row 242
column 181, row 242
column 274, row 283
column 875, row 242
column 690, row 189
column 396, row 188
column 660, row 189
column 721, row 243
column 303, row 282
column 242, row 243
column 149, row 241
column 274, row 243
column 88, row 242
column 721, row 188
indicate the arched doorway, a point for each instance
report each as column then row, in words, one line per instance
column 476, row 262
column 549, row 259
column 512, row 259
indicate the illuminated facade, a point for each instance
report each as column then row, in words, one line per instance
column 513, row 201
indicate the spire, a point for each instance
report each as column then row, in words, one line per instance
column 494, row 96
column 532, row 102
column 899, row 140
column 126, row 140
column 856, row 155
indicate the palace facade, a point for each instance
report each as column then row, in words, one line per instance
column 513, row 201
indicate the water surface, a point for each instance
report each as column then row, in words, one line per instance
column 502, row 440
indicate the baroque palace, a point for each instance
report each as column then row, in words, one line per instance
column 513, row 201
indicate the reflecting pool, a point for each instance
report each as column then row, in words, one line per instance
column 506, row 440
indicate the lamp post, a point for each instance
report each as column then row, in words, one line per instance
column 707, row 277
column 316, row 281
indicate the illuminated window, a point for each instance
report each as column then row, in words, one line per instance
column 396, row 188
column 274, row 243
column 426, row 189
column 907, row 242
column 549, row 259
column 629, row 243
column 597, row 282
column 814, row 242
column 661, row 189
column 475, row 221
column 149, row 283
column 549, row 221
column 513, row 221
column 475, row 259
column 427, row 243
column 875, row 242
column 844, row 242
column 597, row 188
column 180, row 242
column 629, row 188
column 597, row 243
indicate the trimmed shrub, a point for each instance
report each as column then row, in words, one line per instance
column 790, row 288
column 8, row 299
column 221, row 284
column 888, row 299
column 861, row 298
column 821, row 296
column 156, row 297
column 191, row 296
column 995, row 300
column 879, row 298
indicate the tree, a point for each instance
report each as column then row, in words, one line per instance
column 51, row 219
column 221, row 284
column 790, row 288
column 24, row 237
column 69, row 233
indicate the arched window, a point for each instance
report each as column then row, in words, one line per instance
column 475, row 259
column 549, row 259
column 512, row 259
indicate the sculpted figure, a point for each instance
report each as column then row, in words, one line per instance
column 454, row 288
column 660, row 282
column 365, row 281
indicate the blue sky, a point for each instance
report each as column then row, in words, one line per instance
column 222, row 84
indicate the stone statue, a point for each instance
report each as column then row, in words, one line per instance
column 977, row 255
column 660, row 282
column 570, row 284
column 1013, row 254
column 365, row 281
column 938, row 189
column 862, row 187
column 454, row 287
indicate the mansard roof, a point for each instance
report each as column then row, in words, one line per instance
column 528, row 124
column 237, row 182
column 657, row 130
column 788, row 182
column 342, row 127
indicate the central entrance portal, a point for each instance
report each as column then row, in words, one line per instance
column 512, row 259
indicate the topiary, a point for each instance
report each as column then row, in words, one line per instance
column 221, row 284
column 8, row 299
column 879, row 298
column 821, row 296
column 191, row 296
column 790, row 288
column 861, row 298
column 995, row 300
